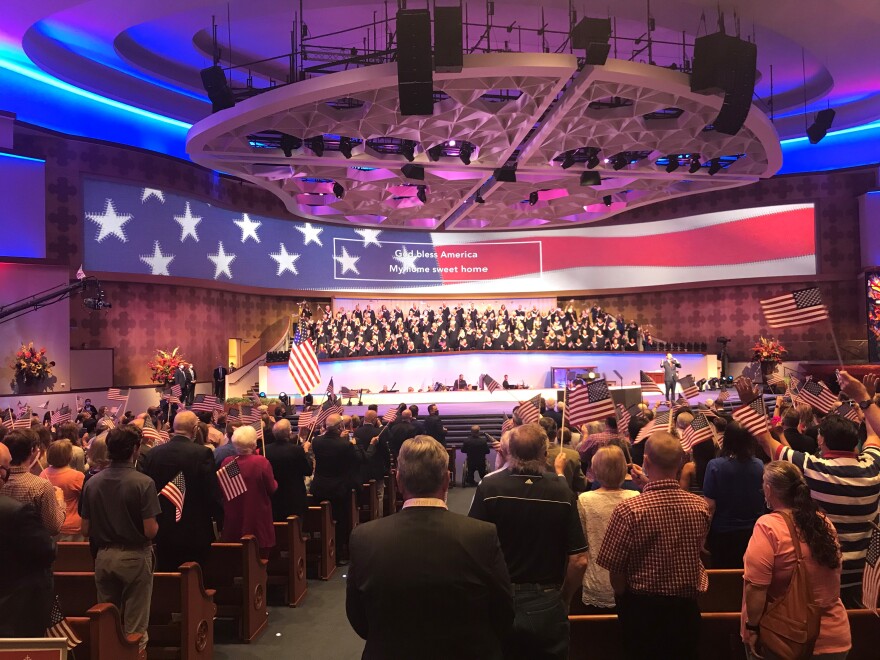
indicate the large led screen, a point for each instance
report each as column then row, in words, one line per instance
column 151, row 232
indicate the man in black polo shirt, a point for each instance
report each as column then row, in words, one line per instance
column 543, row 542
column 119, row 509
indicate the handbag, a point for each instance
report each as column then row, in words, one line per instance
column 790, row 625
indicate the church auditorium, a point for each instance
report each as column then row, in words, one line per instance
column 429, row 330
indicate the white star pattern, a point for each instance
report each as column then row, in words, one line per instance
column 248, row 228
column 407, row 261
column 370, row 236
column 310, row 234
column 222, row 261
column 285, row 261
column 152, row 192
column 157, row 261
column 188, row 223
column 110, row 223
column 347, row 261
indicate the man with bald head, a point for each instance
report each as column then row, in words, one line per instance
column 338, row 459
column 189, row 539
column 652, row 551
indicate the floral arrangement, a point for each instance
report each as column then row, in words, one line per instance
column 31, row 365
column 164, row 364
column 768, row 350
column 874, row 305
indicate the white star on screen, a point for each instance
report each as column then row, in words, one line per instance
column 370, row 236
column 347, row 261
column 152, row 192
column 248, row 228
column 188, row 223
column 285, row 261
column 109, row 222
column 222, row 261
column 157, row 261
column 407, row 260
column 310, row 234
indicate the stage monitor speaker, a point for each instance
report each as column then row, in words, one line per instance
column 415, row 78
column 592, row 35
column 214, row 82
column 726, row 64
column 628, row 396
column 448, row 45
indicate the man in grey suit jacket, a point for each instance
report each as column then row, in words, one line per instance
column 426, row 583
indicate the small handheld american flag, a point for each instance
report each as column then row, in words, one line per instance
column 796, row 308
column 230, row 479
column 753, row 417
column 817, row 395
column 204, row 403
column 490, row 383
column 587, row 403
column 696, row 432
column 648, row 385
column 175, row 491
column 871, row 576
column 115, row 394
column 59, row 628
column 530, row 411
column 689, row 388
column 390, row 415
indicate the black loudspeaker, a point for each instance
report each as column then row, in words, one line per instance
column 214, row 82
column 824, row 119
column 592, row 35
column 726, row 64
column 448, row 46
column 415, row 78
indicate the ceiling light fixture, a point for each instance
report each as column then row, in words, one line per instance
column 590, row 179
column 593, row 161
column 316, row 144
column 338, row 190
column 435, row 152
column 607, row 200
column 672, row 165
column 619, row 162
column 695, row 164
column 479, row 199
column 408, row 150
column 714, row 166
column 533, row 198
column 465, row 153
column 422, row 194
column 568, row 161
column 289, row 144
column 345, row 146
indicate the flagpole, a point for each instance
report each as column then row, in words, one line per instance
column 834, row 339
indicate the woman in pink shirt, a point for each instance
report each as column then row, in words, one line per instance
column 770, row 560
column 69, row 482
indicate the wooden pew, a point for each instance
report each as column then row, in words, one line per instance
column 865, row 630
column 320, row 533
column 398, row 496
column 73, row 557
column 391, row 493
column 287, row 562
column 102, row 636
column 181, row 610
column 369, row 502
column 238, row 575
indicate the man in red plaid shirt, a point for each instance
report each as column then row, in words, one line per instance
column 652, row 551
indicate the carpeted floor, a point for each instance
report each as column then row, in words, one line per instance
column 318, row 630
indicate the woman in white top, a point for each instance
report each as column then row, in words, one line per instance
column 595, row 507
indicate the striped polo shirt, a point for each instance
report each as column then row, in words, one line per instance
column 846, row 486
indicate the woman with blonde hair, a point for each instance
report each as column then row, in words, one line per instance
column 595, row 507
column 771, row 558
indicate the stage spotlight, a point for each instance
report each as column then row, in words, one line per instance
column 408, row 150
column 607, row 200
column 619, row 162
column 316, row 144
column 592, row 375
column 714, row 166
column 593, row 161
column 568, row 161
column 700, row 384
column 505, row 174
column 289, row 144
column 672, row 165
column 819, row 128
column 435, row 152
column 262, row 395
column 411, row 171
column 422, row 194
column 465, row 153
column 533, row 198
column 479, row 199
column 345, row 146
column 695, row 165
column 590, row 179
column 338, row 190
column 283, row 398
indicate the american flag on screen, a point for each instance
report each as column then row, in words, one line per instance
column 689, row 387
column 753, row 417
column 530, row 411
column 230, row 479
column 648, row 385
column 175, row 491
column 587, row 403
column 696, row 432
column 871, row 576
column 490, row 383
column 303, row 362
column 796, row 308
column 817, row 395
column 59, row 628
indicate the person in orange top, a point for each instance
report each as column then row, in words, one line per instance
column 70, row 482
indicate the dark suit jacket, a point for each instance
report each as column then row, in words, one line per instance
column 180, row 379
column 379, row 462
column 26, row 555
column 290, row 465
column 203, row 499
column 669, row 370
column 220, row 373
column 400, row 433
column 433, row 426
column 428, row 584
column 337, row 466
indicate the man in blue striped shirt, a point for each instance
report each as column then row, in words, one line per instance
column 844, row 484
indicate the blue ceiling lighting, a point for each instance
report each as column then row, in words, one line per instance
column 848, row 147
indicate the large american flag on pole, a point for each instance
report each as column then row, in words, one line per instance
column 590, row 402
column 648, row 385
column 796, row 308
column 303, row 362
column 753, row 417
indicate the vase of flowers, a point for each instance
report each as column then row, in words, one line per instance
column 163, row 365
column 31, row 369
column 769, row 352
